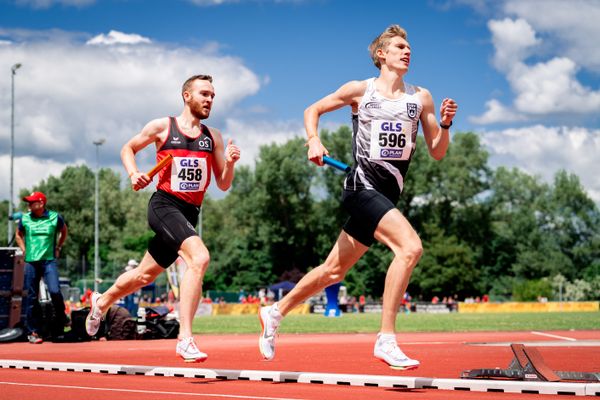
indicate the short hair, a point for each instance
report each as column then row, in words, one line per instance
column 190, row 80
column 383, row 40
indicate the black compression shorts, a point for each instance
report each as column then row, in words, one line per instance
column 366, row 208
column 172, row 220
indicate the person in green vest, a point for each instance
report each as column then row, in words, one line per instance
column 40, row 236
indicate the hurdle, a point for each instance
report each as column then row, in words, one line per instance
column 528, row 365
column 319, row 378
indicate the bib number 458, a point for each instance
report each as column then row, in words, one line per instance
column 190, row 174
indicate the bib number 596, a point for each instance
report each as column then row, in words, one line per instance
column 391, row 139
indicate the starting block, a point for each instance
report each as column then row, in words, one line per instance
column 528, row 365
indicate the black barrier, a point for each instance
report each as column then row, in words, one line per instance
column 12, row 276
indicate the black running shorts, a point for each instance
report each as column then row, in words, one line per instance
column 172, row 220
column 366, row 208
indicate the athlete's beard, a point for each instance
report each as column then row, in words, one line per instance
column 198, row 110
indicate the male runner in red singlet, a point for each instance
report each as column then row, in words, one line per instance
column 386, row 116
column 174, row 208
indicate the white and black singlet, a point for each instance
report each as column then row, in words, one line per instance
column 384, row 140
column 384, row 137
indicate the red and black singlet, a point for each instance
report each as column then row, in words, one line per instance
column 188, row 176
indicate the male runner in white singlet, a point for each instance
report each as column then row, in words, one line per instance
column 386, row 113
column 174, row 208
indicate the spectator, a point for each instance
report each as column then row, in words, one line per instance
column 262, row 296
column 41, row 235
column 132, row 300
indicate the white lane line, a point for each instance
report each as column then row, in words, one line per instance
column 554, row 336
column 228, row 396
column 389, row 381
column 426, row 343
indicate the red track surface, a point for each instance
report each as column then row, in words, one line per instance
column 442, row 355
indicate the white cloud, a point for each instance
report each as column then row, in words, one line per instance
column 204, row 3
column 497, row 112
column 68, row 94
column 42, row 4
column 542, row 151
column 512, row 40
column 116, row 37
column 28, row 171
column 542, row 88
column 249, row 135
column 551, row 87
column 208, row 3
column 572, row 26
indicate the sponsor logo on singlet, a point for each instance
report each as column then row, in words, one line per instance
column 372, row 105
column 205, row 144
column 175, row 140
column 189, row 186
column 391, row 153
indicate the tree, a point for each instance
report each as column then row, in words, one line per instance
column 4, row 222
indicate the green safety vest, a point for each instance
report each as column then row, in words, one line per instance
column 40, row 236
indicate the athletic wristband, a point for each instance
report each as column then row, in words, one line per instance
column 445, row 126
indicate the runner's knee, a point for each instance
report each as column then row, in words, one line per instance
column 199, row 262
column 333, row 274
column 144, row 278
column 412, row 250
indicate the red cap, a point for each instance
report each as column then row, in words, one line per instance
column 35, row 196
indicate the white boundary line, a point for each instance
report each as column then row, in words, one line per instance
column 475, row 385
column 554, row 336
column 236, row 396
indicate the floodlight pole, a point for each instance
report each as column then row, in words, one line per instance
column 97, row 143
column 13, row 71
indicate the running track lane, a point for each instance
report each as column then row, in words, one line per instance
column 442, row 355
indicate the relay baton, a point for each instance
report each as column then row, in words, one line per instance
column 163, row 163
column 336, row 164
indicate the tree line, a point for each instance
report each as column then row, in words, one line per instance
column 499, row 231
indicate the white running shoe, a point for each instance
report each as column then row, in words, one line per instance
column 269, row 320
column 92, row 321
column 186, row 349
column 387, row 350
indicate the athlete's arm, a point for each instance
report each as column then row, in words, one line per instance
column 151, row 133
column 61, row 240
column 437, row 139
column 20, row 240
column 348, row 94
column 224, row 160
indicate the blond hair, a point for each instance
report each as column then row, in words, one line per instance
column 383, row 40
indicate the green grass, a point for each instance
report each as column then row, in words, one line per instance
column 367, row 323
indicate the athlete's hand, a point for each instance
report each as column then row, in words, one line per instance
column 448, row 111
column 232, row 152
column 139, row 180
column 316, row 150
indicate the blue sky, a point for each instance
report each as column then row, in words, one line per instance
column 528, row 82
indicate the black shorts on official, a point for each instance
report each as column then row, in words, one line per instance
column 366, row 208
column 172, row 220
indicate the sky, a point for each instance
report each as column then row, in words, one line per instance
column 525, row 74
